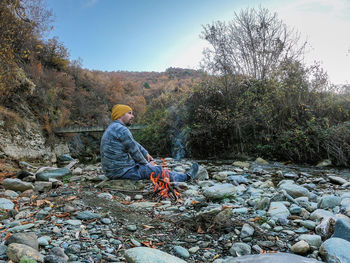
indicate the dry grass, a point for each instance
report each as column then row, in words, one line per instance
column 10, row 118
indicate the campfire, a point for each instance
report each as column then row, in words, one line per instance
column 162, row 185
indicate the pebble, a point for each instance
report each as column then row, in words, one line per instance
column 181, row 252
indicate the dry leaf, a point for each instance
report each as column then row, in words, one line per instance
column 200, row 230
column 194, row 202
column 216, row 256
column 69, row 198
column 147, row 227
column 41, row 202
column 226, row 206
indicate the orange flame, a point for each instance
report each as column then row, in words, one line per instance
column 161, row 182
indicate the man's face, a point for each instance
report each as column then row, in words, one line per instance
column 127, row 118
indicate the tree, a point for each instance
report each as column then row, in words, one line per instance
column 253, row 43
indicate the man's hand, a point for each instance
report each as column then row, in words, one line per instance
column 149, row 158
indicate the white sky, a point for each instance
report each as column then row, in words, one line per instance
column 325, row 24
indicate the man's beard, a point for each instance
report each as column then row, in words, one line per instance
column 128, row 123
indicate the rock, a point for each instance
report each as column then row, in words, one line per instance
column 301, row 247
column 247, row 231
column 278, row 210
column 326, row 228
column 124, row 184
column 329, row 201
column 41, row 186
column 290, row 175
column 20, row 228
column 221, row 176
column 6, row 204
column 10, row 193
column 149, row 255
column 342, row 229
column 261, row 161
column 219, row 191
column 17, row 185
column 16, row 251
column 56, row 255
column 44, row 240
column 77, row 171
column 29, row 239
column 132, row 228
column 293, row 189
column 58, row 173
column 320, row 213
column 105, row 196
column 194, row 250
column 73, row 222
column 241, row 164
column 312, row 240
column 240, row 249
column 65, row 158
column 181, row 252
column 237, row 179
column 87, row 215
column 202, row 174
column 335, row 250
column 337, row 180
column 223, row 219
column 263, row 204
column 324, row 163
column 272, row 258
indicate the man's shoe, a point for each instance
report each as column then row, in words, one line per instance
column 192, row 174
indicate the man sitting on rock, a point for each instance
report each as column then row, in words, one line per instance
column 124, row 158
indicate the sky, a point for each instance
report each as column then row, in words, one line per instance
column 153, row 35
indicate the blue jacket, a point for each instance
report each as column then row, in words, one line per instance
column 119, row 150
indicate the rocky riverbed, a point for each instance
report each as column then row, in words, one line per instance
column 237, row 212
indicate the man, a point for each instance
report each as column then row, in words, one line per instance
column 124, row 158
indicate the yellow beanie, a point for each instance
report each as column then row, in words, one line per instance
column 119, row 110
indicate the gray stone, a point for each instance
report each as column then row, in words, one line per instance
column 301, row 247
column 149, row 255
column 342, row 229
column 295, row 209
column 6, row 204
column 44, row 240
column 241, row 164
column 10, row 193
column 319, row 214
column 278, row 210
column 324, row 163
column 237, row 179
column 143, row 205
column 202, row 174
column 88, row 215
column 58, row 173
column 16, row 251
column 17, row 185
column 247, row 231
column 240, row 249
column 56, row 255
column 335, row 250
column 131, row 228
column 337, row 180
column 293, row 189
column 73, row 222
column 29, row 239
column 181, row 252
column 42, row 186
column 20, row 228
column 263, row 204
column 312, row 240
column 329, row 201
column 105, row 196
column 219, row 191
column 272, row 258
column 308, row 224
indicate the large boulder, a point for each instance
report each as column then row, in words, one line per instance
column 149, row 255
column 335, row 250
column 17, row 251
column 219, row 191
column 17, row 185
column 278, row 210
column 293, row 189
column 271, row 258
column 58, row 173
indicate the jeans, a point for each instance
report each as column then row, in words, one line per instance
column 141, row 171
